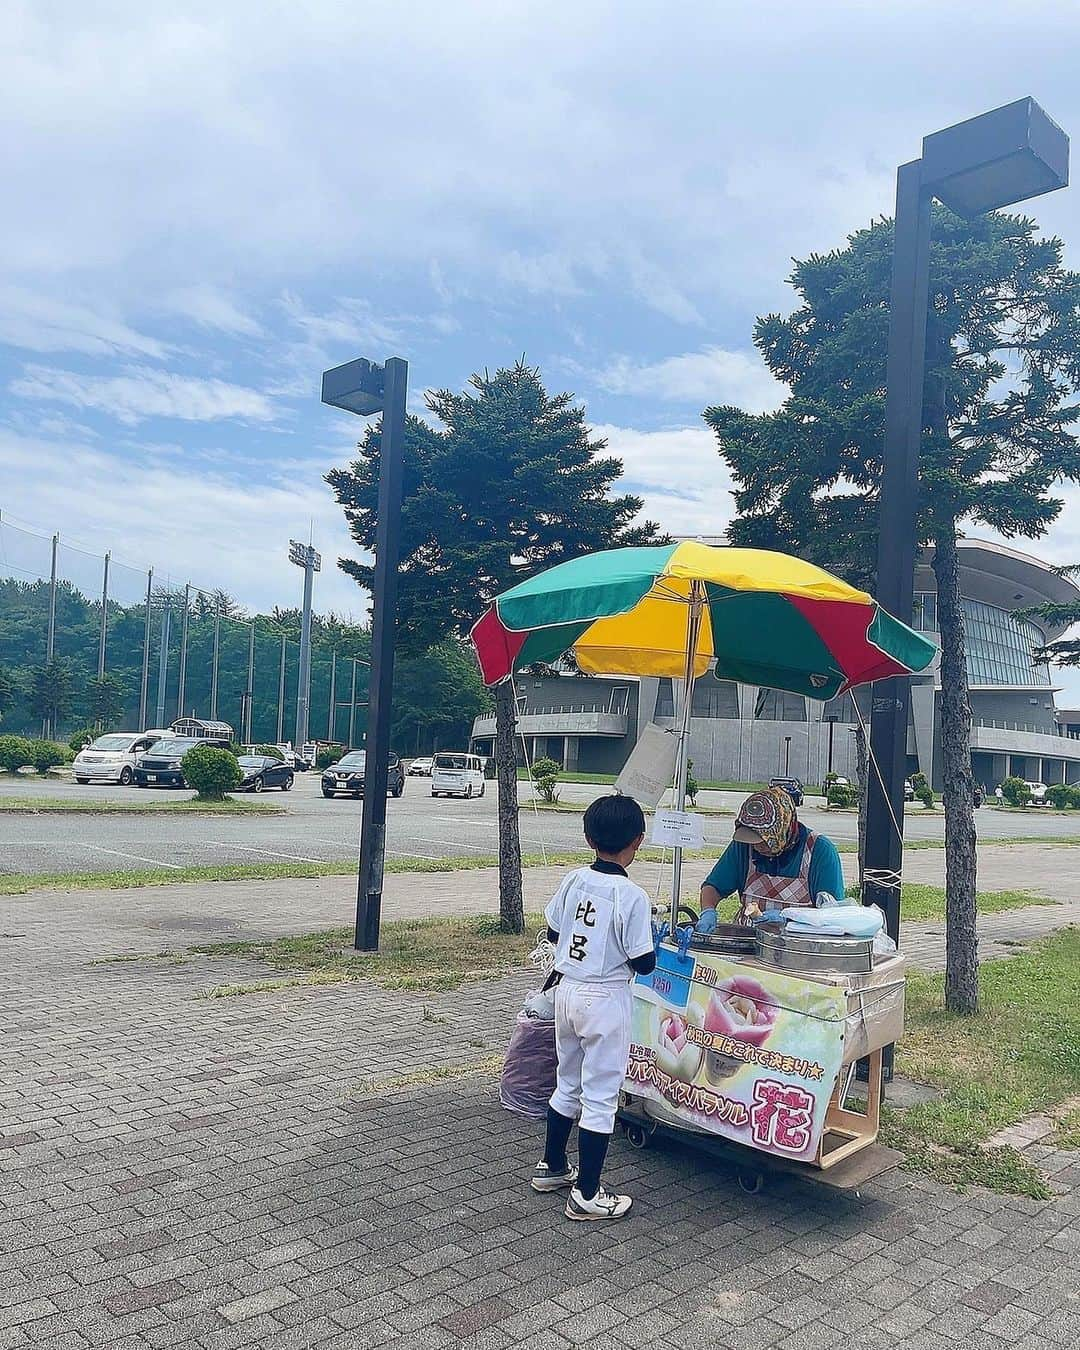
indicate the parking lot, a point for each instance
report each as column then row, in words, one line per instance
column 313, row 829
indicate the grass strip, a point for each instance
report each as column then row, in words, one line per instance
column 38, row 806
column 25, row 883
column 1018, row 1055
column 429, row 954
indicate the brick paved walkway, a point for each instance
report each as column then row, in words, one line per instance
column 220, row 1173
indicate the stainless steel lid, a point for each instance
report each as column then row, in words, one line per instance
column 814, row 953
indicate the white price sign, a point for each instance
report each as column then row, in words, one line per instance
column 677, row 829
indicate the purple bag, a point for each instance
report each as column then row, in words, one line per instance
column 528, row 1076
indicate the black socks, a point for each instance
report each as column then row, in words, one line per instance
column 558, row 1132
column 592, row 1150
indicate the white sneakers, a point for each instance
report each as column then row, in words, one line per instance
column 603, row 1205
column 544, row 1179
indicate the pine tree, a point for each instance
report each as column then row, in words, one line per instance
column 1002, row 364
column 512, row 483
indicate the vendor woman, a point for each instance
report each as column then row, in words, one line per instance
column 773, row 862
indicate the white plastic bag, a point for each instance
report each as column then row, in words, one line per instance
column 540, row 1006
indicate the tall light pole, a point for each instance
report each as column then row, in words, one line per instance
column 994, row 160
column 304, row 555
column 331, row 716
column 364, row 388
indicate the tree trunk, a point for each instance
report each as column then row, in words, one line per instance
column 961, row 944
column 861, row 767
column 511, row 906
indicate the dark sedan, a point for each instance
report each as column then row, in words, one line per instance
column 263, row 771
column 160, row 765
column 347, row 776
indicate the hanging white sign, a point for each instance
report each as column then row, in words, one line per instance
column 677, row 829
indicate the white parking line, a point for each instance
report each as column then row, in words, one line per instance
column 390, row 853
column 270, row 853
column 450, row 843
column 136, row 857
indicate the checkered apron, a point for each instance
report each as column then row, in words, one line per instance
column 769, row 892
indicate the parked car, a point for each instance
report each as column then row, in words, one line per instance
column 791, row 786
column 1038, row 793
column 347, row 776
column 421, row 768
column 112, row 758
column 909, row 790
column 160, row 765
column 264, row 771
column 457, row 774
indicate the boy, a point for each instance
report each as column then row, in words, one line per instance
column 601, row 925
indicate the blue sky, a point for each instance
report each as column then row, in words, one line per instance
column 208, row 204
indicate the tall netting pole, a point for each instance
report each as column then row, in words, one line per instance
column 144, row 687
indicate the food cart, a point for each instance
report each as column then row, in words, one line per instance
column 749, row 1048
column 746, row 1041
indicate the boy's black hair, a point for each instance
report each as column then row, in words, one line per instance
column 613, row 822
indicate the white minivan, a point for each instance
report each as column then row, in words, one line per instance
column 112, row 758
column 456, row 774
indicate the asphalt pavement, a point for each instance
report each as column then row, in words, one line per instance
column 314, row 829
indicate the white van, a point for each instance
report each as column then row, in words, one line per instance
column 456, row 774
column 112, row 758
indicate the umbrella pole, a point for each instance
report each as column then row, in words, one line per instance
column 693, row 629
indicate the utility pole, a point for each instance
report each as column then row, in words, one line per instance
column 281, row 694
column 181, row 690
column 250, row 685
column 333, row 696
column 50, row 639
column 144, row 687
column 104, row 620
column 163, row 661
column 305, row 556
column 214, row 663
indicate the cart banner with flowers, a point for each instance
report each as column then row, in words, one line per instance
column 738, row 1050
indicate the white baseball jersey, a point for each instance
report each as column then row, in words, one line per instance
column 603, row 921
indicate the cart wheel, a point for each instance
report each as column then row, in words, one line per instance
column 684, row 914
column 637, row 1136
column 753, row 1183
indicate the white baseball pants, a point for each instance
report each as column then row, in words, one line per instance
column 592, row 1039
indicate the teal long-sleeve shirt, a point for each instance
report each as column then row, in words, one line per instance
column 826, row 873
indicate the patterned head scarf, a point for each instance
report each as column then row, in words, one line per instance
column 766, row 819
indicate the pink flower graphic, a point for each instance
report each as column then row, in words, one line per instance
column 740, row 1008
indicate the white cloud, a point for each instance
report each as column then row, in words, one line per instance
column 685, row 484
column 539, row 273
column 211, row 308
column 41, row 323
column 710, row 376
column 142, row 392
column 190, row 522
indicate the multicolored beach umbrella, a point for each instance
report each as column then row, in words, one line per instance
column 766, row 619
